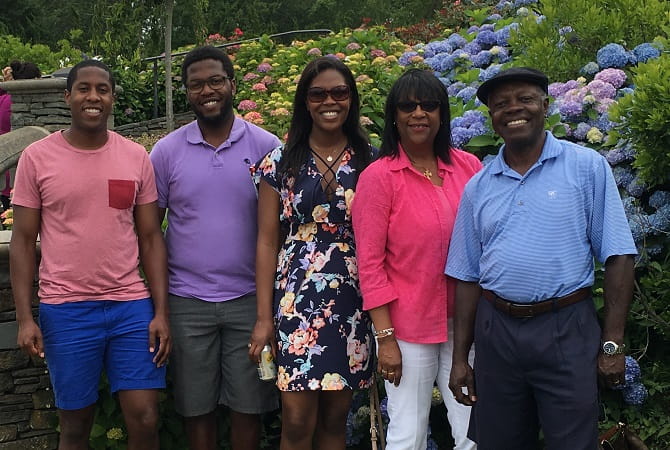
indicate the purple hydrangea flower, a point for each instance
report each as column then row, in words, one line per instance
column 487, row 27
column 601, row 89
column 645, row 52
column 558, row 89
column 590, row 68
column 615, row 77
column 473, row 29
column 616, row 156
column 612, row 55
column 264, row 67
column 581, row 130
column 460, row 136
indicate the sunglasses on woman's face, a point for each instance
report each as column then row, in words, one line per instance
column 426, row 105
column 338, row 93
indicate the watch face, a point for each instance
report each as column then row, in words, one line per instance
column 609, row 348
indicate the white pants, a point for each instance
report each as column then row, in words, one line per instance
column 409, row 403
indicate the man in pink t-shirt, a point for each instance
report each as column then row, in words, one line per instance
column 91, row 196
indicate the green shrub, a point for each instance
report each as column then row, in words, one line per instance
column 11, row 48
column 644, row 119
column 594, row 24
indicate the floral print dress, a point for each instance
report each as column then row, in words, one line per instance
column 323, row 334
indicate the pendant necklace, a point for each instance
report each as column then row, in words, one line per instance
column 425, row 171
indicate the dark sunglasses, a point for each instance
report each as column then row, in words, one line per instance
column 338, row 93
column 215, row 83
column 426, row 105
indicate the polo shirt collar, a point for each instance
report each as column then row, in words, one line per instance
column 551, row 149
column 194, row 134
column 403, row 162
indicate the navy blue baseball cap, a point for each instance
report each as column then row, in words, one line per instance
column 526, row 74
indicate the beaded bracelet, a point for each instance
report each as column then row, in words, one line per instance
column 386, row 332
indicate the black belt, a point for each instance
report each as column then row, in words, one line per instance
column 535, row 309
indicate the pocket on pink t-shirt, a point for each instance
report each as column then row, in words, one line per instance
column 121, row 193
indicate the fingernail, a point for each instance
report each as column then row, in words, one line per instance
column 151, row 349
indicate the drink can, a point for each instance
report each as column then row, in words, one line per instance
column 267, row 370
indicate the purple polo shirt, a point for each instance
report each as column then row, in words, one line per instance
column 212, row 209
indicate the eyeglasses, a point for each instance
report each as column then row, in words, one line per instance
column 216, row 83
column 426, row 105
column 338, row 93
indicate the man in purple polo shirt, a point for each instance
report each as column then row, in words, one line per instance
column 202, row 175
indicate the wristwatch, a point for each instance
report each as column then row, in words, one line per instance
column 611, row 348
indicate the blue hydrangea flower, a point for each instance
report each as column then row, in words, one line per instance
column 487, row 27
column 660, row 220
column 613, row 55
column 486, row 39
column 481, row 59
column 503, row 4
column 623, row 176
column 472, row 47
column 659, row 199
column 539, row 19
column 500, row 53
column 455, row 88
column 502, row 35
column 624, row 91
column 565, row 30
column 466, row 94
column 436, row 47
column 602, row 122
column 645, row 52
column 518, row 3
column 636, row 188
column 489, row 72
column 404, row 59
column 456, row 40
column 635, row 394
column 590, row 68
column 473, row 29
column 460, row 136
column 639, row 226
column 494, row 17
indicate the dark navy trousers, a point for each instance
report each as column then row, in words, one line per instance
column 536, row 373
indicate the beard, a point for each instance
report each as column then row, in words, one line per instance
column 224, row 114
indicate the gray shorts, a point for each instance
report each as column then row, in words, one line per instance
column 209, row 363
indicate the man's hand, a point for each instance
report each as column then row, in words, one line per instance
column 262, row 334
column 611, row 369
column 462, row 376
column 159, row 331
column 29, row 338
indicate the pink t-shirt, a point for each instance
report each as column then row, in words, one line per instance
column 403, row 224
column 87, row 235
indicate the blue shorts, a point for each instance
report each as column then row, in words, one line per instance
column 81, row 338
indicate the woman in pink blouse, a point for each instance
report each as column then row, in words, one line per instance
column 403, row 215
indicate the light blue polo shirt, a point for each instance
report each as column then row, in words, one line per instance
column 213, row 208
column 533, row 237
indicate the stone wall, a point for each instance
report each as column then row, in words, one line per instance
column 153, row 126
column 27, row 412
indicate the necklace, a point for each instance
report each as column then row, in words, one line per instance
column 425, row 171
column 330, row 158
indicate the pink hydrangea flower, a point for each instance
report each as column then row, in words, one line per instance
column 264, row 67
column 353, row 46
column 247, row 105
column 314, row 51
column 254, row 117
column 259, row 87
column 250, row 76
column 280, row 112
column 377, row 53
column 615, row 77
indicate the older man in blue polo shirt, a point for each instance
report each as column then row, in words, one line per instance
column 528, row 229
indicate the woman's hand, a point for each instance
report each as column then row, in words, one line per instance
column 389, row 359
column 263, row 334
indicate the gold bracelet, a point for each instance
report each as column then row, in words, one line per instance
column 386, row 332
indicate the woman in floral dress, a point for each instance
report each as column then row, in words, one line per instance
column 308, row 297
